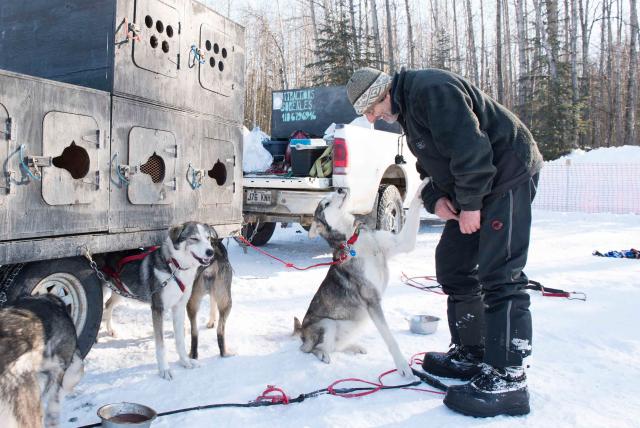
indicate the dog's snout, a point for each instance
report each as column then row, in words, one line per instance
column 209, row 252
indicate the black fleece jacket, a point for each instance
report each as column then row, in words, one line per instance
column 471, row 146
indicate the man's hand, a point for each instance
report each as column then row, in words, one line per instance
column 469, row 221
column 445, row 210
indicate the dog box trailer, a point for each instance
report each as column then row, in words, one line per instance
column 374, row 164
column 107, row 140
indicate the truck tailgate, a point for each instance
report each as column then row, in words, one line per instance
column 280, row 182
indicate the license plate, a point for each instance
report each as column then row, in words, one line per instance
column 260, row 197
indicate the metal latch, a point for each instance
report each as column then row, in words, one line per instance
column 9, row 131
column 92, row 138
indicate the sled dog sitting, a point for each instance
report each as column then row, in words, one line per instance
column 214, row 280
column 39, row 361
column 165, row 279
column 353, row 290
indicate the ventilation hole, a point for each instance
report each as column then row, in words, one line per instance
column 207, row 45
column 220, row 66
column 216, row 48
column 154, row 42
column 212, row 62
column 159, row 26
column 165, row 46
column 74, row 159
column 218, row 173
column 169, row 31
column 148, row 21
column 154, row 167
column 224, row 52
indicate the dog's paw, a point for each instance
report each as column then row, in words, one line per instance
column 228, row 353
column 112, row 332
column 356, row 349
column 405, row 371
column 322, row 355
column 211, row 324
column 189, row 363
column 165, row 374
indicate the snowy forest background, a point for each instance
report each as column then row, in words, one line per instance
column 567, row 68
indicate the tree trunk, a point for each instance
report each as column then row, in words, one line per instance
column 629, row 122
column 575, row 94
column 456, row 45
column 471, row 45
column 392, row 63
column 484, row 80
column 499, row 77
column 354, row 33
column 552, row 38
column 411, row 46
column 376, row 35
column 523, row 72
column 314, row 24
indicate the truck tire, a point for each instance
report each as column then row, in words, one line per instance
column 75, row 283
column 261, row 236
column 389, row 211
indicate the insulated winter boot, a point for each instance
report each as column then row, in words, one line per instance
column 492, row 392
column 460, row 362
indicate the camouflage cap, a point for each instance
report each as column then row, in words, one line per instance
column 365, row 87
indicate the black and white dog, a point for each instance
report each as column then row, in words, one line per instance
column 39, row 361
column 165, row 279
column 214, row 280
column 352, row 291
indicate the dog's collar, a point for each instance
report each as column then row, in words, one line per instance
column 345, row 250
column 174, row 262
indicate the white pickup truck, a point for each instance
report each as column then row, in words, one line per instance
column 365, row 161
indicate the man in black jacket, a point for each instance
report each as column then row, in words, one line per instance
column 483, row 164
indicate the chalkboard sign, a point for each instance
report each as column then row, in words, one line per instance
column 312, row 110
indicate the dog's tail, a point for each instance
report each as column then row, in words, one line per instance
column 297, row 327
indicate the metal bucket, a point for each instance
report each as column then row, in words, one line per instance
column 126, row 415
column 423, row 324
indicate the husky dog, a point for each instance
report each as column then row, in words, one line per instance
column 165, row 279
column 352, row 290
column 39, row 361
column 214, row 280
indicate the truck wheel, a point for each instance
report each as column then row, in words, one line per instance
column 389, row 214
column 75, row 283
column 261, row 236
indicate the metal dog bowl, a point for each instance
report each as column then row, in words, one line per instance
column 423, row 324
column 121, row 415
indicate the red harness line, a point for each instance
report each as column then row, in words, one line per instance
column 345, row 249
column 114, row 274
column 411, row 282
column 281, row 397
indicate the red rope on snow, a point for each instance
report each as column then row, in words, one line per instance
column 266, row 395
column 342, row 258
column 411, row 282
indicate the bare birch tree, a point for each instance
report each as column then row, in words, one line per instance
column 629, row 123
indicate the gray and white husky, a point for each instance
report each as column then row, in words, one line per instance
column 39, row 361
column 352, row 290
column 165, row 279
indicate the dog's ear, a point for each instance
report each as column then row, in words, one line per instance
column 297, row 327
column 315, row 229
column 174, row 234
column 213, row 235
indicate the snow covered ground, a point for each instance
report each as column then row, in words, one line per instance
column 584, row 371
